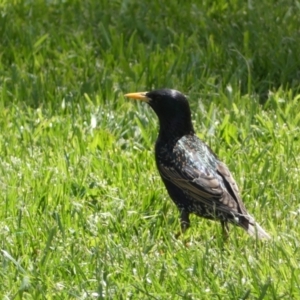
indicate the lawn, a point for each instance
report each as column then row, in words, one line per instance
column 83, row 212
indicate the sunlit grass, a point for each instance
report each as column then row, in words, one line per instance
column 83, row 212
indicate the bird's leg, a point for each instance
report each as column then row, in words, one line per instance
column 225, row 230
column 184, row 221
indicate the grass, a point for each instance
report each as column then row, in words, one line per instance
column 83, row 212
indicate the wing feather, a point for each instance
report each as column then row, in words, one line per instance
column 214, row 187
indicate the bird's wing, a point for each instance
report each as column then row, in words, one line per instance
column 231, row 185
column 214, row 187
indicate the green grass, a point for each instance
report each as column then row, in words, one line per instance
column 83, row 212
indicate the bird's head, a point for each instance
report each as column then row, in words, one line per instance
column 172, row 109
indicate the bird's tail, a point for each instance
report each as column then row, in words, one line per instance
column 256, row 230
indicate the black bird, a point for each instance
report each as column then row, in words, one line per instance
column 196, row 180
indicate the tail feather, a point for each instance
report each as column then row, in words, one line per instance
column 257, row 230
column 253, row 228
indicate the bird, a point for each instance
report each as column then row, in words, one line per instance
column 197, row 181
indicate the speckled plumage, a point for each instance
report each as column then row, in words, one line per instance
column 196, row 180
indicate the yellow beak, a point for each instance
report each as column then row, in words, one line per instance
column 141, row 96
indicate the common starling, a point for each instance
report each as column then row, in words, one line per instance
column 196, row 180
